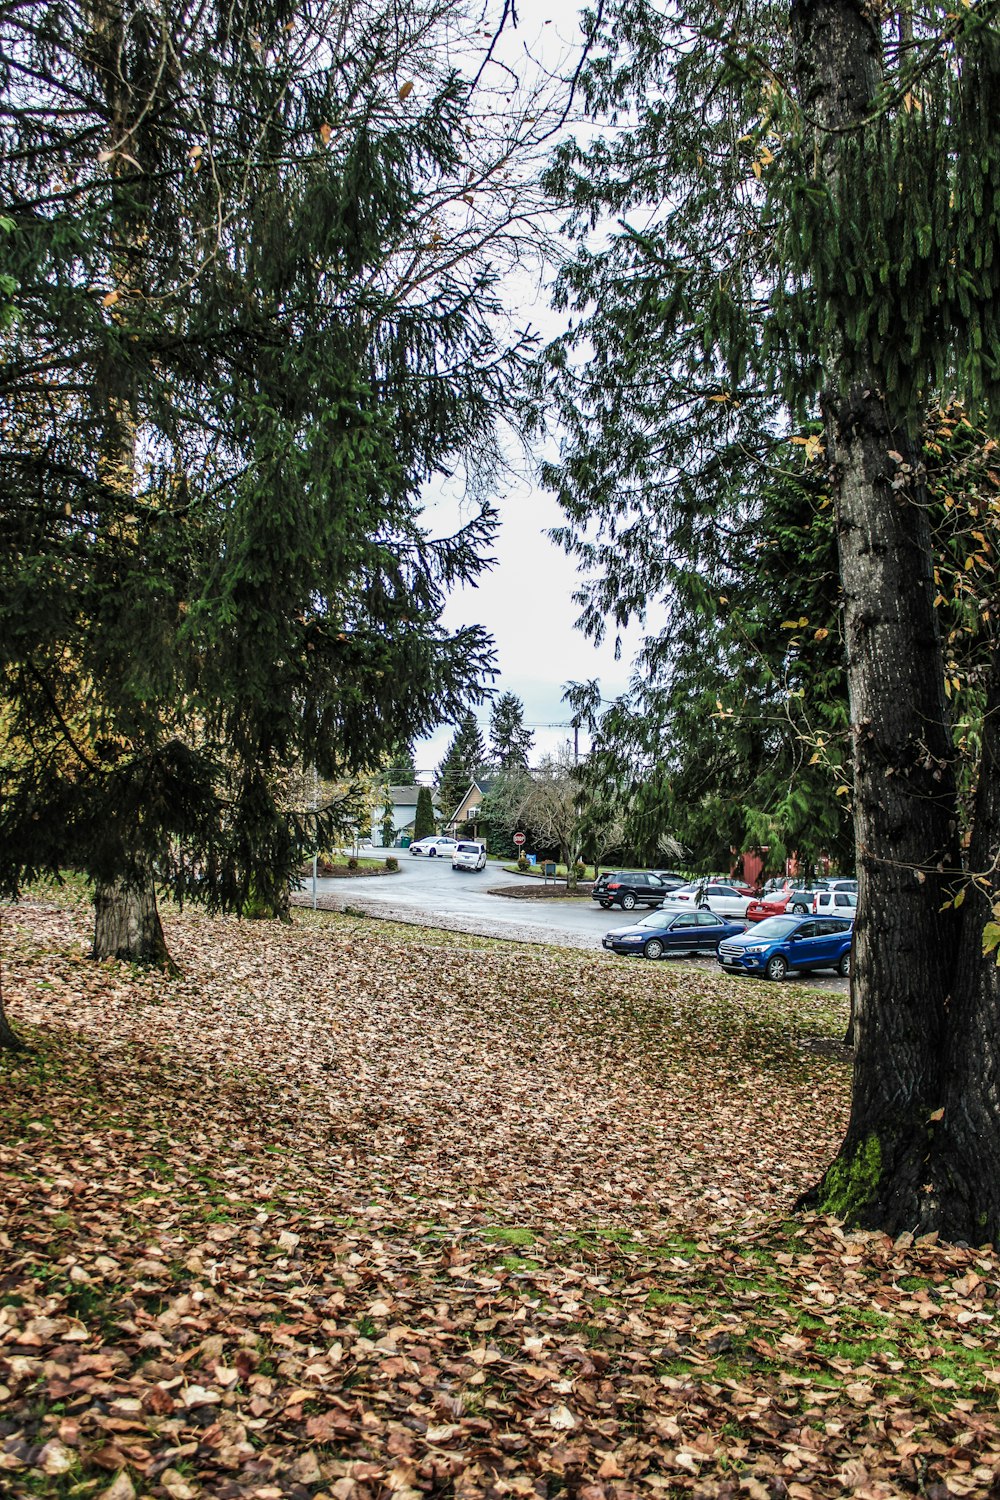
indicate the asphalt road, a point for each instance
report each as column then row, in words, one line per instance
column 430, row 892
column 429, row 888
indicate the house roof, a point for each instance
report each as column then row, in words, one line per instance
column 481, row 784
column 404, row 795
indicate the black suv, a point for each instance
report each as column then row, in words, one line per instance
column 629, row 888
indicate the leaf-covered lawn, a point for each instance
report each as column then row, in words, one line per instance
column 358, row 1210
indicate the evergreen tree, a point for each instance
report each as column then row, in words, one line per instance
column 734, row 733
column 402, row 768
column 510, row 741
column 231, row 353
column 423, row 822
column 804, row 204
column 463, row 761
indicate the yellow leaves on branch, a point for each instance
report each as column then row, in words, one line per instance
column 406, row 89
column 765, row 159
column 813, row 445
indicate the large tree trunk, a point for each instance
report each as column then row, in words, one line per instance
column 127, row 923
column 962, row 1184
column 906, row 827
column 906, row 824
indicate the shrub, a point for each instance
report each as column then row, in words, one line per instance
column 392, row 863
column 522, row 863
column 352, row 863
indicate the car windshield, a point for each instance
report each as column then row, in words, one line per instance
column 654, row 919
column 774, row 927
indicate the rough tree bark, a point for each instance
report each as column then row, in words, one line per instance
column 962, row 1192
column 127, row 923
column 925, row 1006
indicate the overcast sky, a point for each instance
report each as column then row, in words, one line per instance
column 526, row 601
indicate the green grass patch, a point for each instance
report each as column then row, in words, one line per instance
column 518, row 1263
column 514, row 1235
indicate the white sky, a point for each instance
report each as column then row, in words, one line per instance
column 526, row 605
column 525, row 602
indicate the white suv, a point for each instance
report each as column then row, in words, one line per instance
column 835, row 903
column 468, row 855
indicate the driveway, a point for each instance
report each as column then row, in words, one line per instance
column 429, row 892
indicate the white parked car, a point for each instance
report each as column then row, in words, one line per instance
column 710, row 895
column 835, row 903
column 468, row 854
column 439, row 843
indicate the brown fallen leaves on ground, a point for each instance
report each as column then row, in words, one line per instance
column 361, row 1211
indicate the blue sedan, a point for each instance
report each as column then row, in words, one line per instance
column 668, row 931
column 780, row 944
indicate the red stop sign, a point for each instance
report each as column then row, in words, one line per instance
column 519, row 839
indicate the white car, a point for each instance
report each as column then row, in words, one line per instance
column 437, row 844
column 710, row 895
column 835, row 903
column 469, row 854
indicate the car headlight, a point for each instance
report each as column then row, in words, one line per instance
column 756, row 948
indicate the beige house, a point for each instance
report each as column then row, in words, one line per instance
column 467, row 810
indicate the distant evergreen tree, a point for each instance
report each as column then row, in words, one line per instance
column 423, row 822
column 402, row 768
column 464, row 760
column 510, row 741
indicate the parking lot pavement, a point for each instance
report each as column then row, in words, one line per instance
column 428, row 892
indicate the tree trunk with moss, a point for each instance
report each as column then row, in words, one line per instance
column 924, row 1131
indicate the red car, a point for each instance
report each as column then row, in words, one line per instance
column 771, row 904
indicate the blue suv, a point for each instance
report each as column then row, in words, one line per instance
column 779, row 944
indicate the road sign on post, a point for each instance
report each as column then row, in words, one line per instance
column 519, row 839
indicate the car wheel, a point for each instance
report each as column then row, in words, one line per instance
column 432, row 853
column 628, row 901
column 844, row 967
column 606, row 905
column 704, row 906
column 777, row 968
column 799, row 909
column 653, row 949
